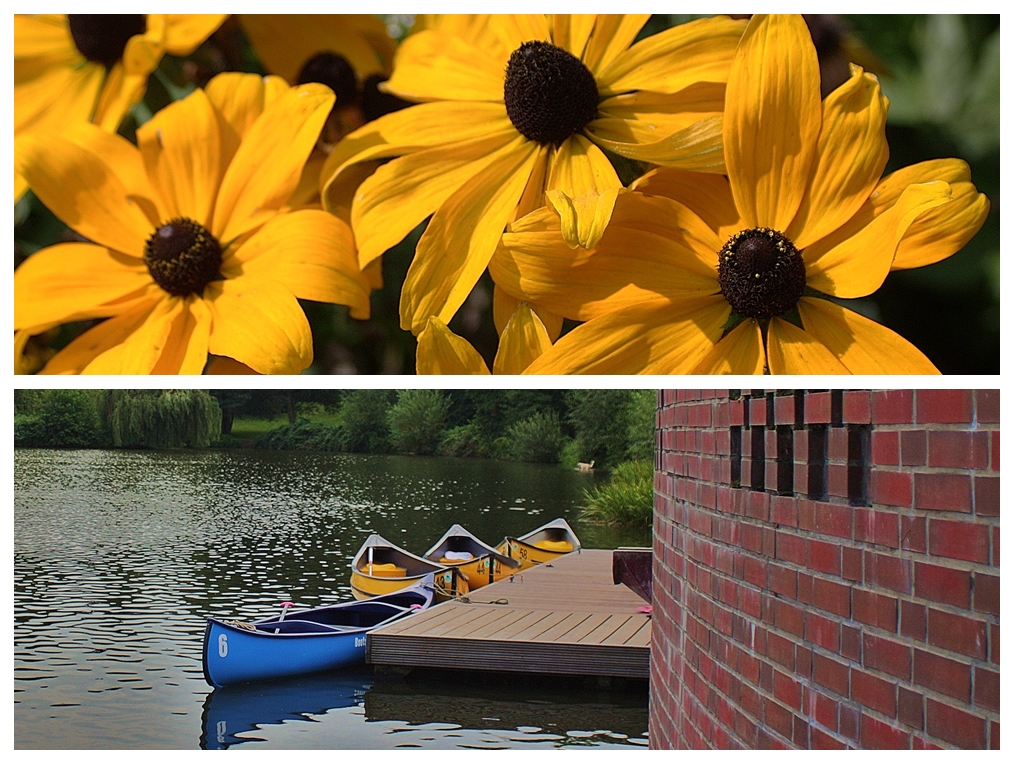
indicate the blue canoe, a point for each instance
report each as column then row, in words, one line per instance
column 304, row 641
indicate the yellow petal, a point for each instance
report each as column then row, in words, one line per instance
column 772, row 119
column 40, row 34
column 613, row 34
column 78, row 183
column 433, row 65
column 698, row 147
column 103, row 345
column 260, row 324
column 239, row 99
column 64, row 280
column 267, row 166
column 285, row 42
column 534, row 196
column 309, row 252
column 667, row 62
column 184, row 32
column 402, row 132
column 572, row 30
column 647, row 251
column 656, row 337
column 523, row 340
column 120, row 91
column 793, row 351
column 858, row 266
column 513, row 29
column 863, row 346
column 741, row 351
column 441, row 351
column 461, row 236
column 51, row 95
column 851, row 155
column 221, row 365
column 407, row 190
column 505, row 305
column 644, row 117
column 182, row 154
column 582, row 187
column 160, row 345
column 186, row 349
column 708, row 195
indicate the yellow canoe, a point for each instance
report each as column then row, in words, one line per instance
column 381, row 567
column 478, row 562
column 546, row 543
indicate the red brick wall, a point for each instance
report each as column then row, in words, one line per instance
column 844, row 591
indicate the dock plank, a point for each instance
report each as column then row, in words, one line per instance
column 566, row 617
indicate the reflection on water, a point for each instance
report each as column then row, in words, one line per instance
column 118, row 556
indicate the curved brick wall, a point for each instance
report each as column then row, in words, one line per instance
column 827, row 569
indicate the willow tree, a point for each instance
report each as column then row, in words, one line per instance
column 163, row 418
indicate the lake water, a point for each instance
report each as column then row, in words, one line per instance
column 119, row 556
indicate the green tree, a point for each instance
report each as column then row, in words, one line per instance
column 363, row 420
column 600, row 425
column 417, row 420
column 536, row 439
column 164, row 418
column 59, row 419
column 640, row 416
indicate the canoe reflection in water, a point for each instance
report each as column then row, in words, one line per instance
column 231, row 711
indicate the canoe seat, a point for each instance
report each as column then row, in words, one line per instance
column 555, row 546
column 451, row 558
column 384, row 570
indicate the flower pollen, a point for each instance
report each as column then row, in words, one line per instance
column 102, row 37
column 183, row 257
column 549, row 93
column 761, row 273
column 334, row 71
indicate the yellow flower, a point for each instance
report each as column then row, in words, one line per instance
column 802, row 215
column 521, row 106
column 195, row 251
column 71, row 69
column 441, row 351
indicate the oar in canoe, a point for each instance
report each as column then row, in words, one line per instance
column 303, row 641
column 478, row 562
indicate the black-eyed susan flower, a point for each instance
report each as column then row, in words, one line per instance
column 733, row 275
column 514, row 110
column 441, row 351
column 80, row 68
column 192, row 249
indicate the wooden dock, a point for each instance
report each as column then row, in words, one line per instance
column 566, row 617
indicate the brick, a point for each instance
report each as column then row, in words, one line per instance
column 959, row 540
column 838, row 444
column 838, row 480
column 781, row 651
column 913, row 534
column 785, row 409
column 955, row 726
column 876, row 527
column 851, row 643
column 875, row 609
column 888, row 572
column 880, row 735
column 892, row 406
column 782, row 580
column 789, row 618
column 943, row 491
column 994, row 448
column 885, row 447
column 804, row 588
column 821, row 741
column 913, row 448
column 891, row 488
column 824, row 557
column 833, row 520
column 941, row 584
column 848, row 721
column 910, row 708
column 987, row 496
column 963, row 450
column 832, row 596
column 913, row 620
column 944, row 406
column 831, row 674
column 994, row 643
column 886, row 655
column 958, row 633
column 852, row 563
column 987, row 593
column 758, row 412
column 987, row 689
column 758, row 505
column 856, row 407
column 820, row 707
column 787, row 690
column 823, row 632
column 995, row 553
column 994, row 736
column 784, row 511
column 987, row 406
column 921, row 744
column 873, row 692
column 791, row 548
column 942, row 674
column 817, row 408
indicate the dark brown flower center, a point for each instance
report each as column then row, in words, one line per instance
column 334, row 71
column 102, row 37
column 761, row 273
column 183, row 257
column 549, row 93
